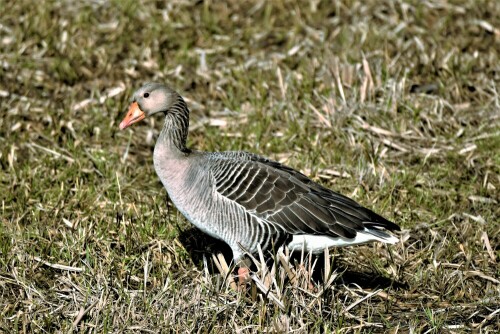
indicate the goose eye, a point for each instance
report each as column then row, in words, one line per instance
column 146, row 95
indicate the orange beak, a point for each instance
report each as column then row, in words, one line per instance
column 134, row 115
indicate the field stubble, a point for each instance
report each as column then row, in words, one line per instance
column 393, row 103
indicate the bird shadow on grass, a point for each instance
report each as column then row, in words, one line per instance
column 199, row 244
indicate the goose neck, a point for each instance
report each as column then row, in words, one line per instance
column 175, row 129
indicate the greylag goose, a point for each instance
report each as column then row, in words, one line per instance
column 245, row 199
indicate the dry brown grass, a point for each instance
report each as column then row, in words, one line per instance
column 394, row 103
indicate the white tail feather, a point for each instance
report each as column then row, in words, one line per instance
column 317, row 243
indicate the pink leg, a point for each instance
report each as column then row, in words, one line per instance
column 243, row 276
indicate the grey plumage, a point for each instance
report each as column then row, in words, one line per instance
column 245, row 199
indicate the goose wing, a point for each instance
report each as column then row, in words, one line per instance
column 289, row 200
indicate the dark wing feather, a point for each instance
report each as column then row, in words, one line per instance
column 289, row 200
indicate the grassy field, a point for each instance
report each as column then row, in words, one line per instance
column 394, row 103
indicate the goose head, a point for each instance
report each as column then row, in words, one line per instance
column 148, row 100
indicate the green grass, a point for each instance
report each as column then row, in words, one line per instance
column 394, row 103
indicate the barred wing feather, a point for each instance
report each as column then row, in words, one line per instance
column 289, row 201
